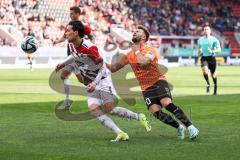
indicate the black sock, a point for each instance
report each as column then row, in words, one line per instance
column 215, row 81
column 215, row 85
column 167, row 119
column 179, row 114
column 206, row 78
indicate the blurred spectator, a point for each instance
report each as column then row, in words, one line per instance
column 174, row 17
column 226, row 43
column 161, row 17
column 1, row 42
column 30, row 32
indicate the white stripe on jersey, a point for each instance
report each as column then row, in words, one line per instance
column 87, row 43
column 73, row 50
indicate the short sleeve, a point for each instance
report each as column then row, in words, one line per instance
column 94, row 54
column 216, row 43
column 199, row 44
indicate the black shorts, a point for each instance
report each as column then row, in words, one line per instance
column 159, row 90
column 210, row 62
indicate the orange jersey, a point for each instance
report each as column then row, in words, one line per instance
column 146, row 75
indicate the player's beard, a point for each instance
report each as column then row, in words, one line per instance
column 136, row 39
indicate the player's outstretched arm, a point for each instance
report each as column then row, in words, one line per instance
column 62, row 39
column 69, row 60
column 118, row 65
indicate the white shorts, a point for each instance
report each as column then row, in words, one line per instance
column 72, row 67
column 104, row 93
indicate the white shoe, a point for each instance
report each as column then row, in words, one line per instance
column 193, row 132
column 181, row 131
column 65, row 104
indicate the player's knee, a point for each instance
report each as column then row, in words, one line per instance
column 214, row 75
column 108, row 108
column 165, row 102
column 63, row 77
column 154, row 108
column 205, row 72
column 64, row 74
column 96, row 112
column 115, row 110
column 80, row 79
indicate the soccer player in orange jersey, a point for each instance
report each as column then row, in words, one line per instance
column 155, row 88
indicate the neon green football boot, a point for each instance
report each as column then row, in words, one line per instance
column 145, row 122
column 121, row 137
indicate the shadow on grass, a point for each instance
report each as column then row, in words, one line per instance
column 84, row 114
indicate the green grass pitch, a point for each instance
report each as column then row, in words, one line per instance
column 30, row 130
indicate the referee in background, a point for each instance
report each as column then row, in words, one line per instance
column 208, row 46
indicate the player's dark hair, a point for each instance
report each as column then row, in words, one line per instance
column 147, row 33
column 75, row 9
column 206, row 25
column 78, row 26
